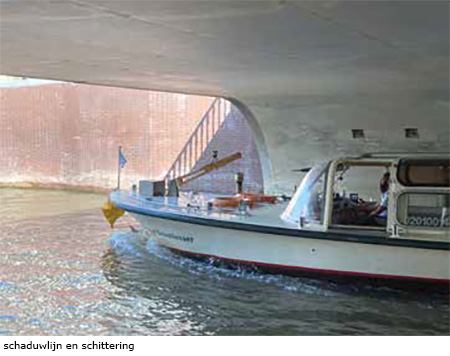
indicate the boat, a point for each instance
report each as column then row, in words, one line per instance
column 327, row 229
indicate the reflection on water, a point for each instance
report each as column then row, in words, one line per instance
column 63, row 272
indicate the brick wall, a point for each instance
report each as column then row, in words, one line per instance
column 69, row 134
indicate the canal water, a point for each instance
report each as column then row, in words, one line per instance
column 63, row 271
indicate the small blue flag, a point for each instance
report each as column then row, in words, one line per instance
column 122, row 160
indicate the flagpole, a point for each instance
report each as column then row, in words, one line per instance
column 118, row 167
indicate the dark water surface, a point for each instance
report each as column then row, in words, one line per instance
column 64, row 272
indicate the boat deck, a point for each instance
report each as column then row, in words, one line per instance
column 265, row 219
column 190, row 205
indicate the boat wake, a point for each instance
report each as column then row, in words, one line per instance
column 135, row 245
column 209, row 289
column 219, row 270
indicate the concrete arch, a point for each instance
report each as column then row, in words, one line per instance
column 258, row 137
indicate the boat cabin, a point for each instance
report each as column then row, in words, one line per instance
column 405, row 196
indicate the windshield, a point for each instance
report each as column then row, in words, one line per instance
column 308, row 201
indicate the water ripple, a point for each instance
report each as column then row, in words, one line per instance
column 63, row 271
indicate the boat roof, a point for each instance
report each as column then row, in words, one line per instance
column 390, row 157
column 398, row 155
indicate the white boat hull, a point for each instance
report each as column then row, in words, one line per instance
column 300, row 254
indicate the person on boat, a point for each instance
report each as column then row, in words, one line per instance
column 378, row 216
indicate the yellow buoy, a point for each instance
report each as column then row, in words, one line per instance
column 111, row 212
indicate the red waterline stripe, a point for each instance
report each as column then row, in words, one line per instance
column 308, row 269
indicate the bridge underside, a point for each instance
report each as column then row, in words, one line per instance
column 305, row 72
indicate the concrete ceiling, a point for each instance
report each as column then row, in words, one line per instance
column 277, row 57
column 231, row 48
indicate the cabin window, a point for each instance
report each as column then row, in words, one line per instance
column 424, row 173
column 358, row 199
column 429, row 210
